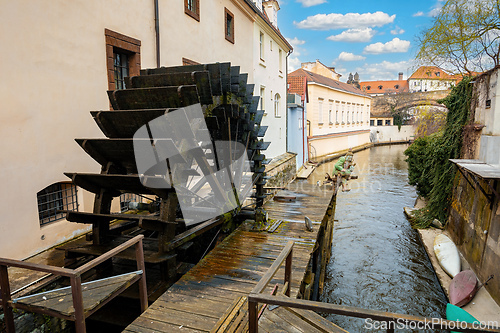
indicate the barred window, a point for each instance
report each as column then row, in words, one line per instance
column 56, row 197
column 125, row 198
column 121, row 69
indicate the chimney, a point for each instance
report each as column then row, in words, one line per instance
column 400, row 76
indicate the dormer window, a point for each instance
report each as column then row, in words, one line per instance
column 380, row 87
column 396, row 86
column 368, row 87
column 438, row 74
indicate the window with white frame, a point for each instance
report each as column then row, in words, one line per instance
column 320, row 111
column 262, row 97
column 280, row 55
column 337, row 113
column 343, row 113
column 261, row 45
column 330, row 108
column 277, row 105
column 348, row 112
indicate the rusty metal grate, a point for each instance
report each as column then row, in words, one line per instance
column 54, row 198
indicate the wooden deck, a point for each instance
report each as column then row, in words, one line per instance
column 198, row 301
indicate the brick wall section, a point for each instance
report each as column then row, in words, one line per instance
column 130, row 45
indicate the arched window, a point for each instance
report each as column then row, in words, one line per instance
column 277, row 105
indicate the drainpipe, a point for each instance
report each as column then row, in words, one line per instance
column 286, row 98
column 157, row 33
column 303, row 132
column 309, row 134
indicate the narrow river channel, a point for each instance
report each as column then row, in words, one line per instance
column 378, row 261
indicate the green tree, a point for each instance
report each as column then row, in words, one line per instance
column 428, row 120
column 465, row 35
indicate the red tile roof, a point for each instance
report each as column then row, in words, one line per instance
column 323, row 80
column 432, row 72
column 298, row 85
column 384, row 87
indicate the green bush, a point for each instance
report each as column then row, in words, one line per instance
column 429, row 168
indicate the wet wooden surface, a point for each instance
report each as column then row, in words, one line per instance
column 202, row 296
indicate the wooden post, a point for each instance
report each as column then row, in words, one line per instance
column 5, row 292
column 143, row 289
column 76, row 291
column 288, row 272
column 253, row 320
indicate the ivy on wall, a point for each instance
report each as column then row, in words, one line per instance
column 429, row 168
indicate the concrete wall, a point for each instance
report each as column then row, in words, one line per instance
column 55, row 71
column 281, row 171
column 297, row 137
column 384, row 134
column 474, row 220
column 474, row 225
column 322, row 148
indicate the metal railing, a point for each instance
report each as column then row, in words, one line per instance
column 391, row 320
column 75, row 276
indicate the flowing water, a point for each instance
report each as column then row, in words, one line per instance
column 378, row 261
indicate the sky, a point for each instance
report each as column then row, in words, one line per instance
column 376, row 38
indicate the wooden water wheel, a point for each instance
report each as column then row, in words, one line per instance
column 231, row 115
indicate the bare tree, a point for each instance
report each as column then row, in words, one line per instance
column 465, row 35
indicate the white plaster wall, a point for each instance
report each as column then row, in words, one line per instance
column 325, row 146
column 204, row 41
column 391, row 133
column 54, row 73
column 317, row 92
column 267, row 73
column 488, row 88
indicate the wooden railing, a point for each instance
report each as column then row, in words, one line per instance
column 391, row 320
column 76, row 284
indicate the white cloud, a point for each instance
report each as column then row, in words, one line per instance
column 347, row 56
column 354, row 35
column 347, row 21
column 295, row 41
column 397, row 31
column 293, row 63
column 384, row 71
column 310, row 3
column 417, row 14
column 394, row 46
column 293, row 60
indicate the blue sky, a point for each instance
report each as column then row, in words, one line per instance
column 376, row 38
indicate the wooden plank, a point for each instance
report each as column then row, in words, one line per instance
column 146, row 325
column 187, row 303
column 287, row 316
column 229, row 315
column 314, row 319
column 193, row 232
column 125, row 123
column 271, row 322
column 181, row 318
column 199, row 78
column 117, row 184
column 156, row 97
